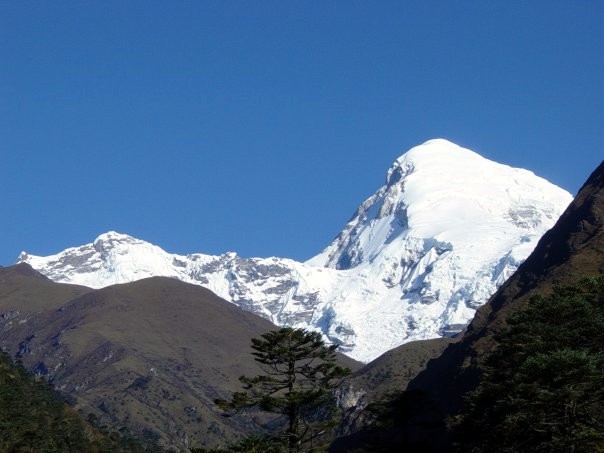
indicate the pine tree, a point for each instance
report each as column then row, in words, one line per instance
column 543, row 387
column 299, row 374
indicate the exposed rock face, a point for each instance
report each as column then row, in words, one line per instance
column 415, row 261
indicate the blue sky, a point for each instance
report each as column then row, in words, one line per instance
column 258, row 127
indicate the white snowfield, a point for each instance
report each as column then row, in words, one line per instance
column 415, row 262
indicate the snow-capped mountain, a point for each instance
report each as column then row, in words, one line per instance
column 415, row 261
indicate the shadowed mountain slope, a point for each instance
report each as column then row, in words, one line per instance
column 573, row 248
column 392, row 371
column 383, row 377
column 151, row 355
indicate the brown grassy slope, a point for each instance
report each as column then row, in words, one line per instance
column 392, row 371
column 383, row 377
column 26, row 290
column 150, row 355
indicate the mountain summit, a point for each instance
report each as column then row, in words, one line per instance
column 442, row 191
column 414, row 262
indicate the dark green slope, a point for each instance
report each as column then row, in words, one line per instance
column 34, row 419
column 542, row 388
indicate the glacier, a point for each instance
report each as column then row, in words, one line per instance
column 415, row 261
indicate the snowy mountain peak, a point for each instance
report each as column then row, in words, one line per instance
column 416, row 260
column 114, row 236
column 441, row 191
column 437, row 152
column 111, row 239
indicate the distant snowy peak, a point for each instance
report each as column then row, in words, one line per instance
column 416, row 260
column 442, row 191
column 111, row 259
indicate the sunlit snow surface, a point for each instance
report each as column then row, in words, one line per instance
column 414, row 262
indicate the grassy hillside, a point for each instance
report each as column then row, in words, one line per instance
column 392, row 371
column 149, row 356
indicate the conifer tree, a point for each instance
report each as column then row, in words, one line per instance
column 299, row 374
column 543, row 387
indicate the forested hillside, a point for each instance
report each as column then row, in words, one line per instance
column 34, row 419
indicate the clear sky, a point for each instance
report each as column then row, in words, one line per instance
column 259, row 126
